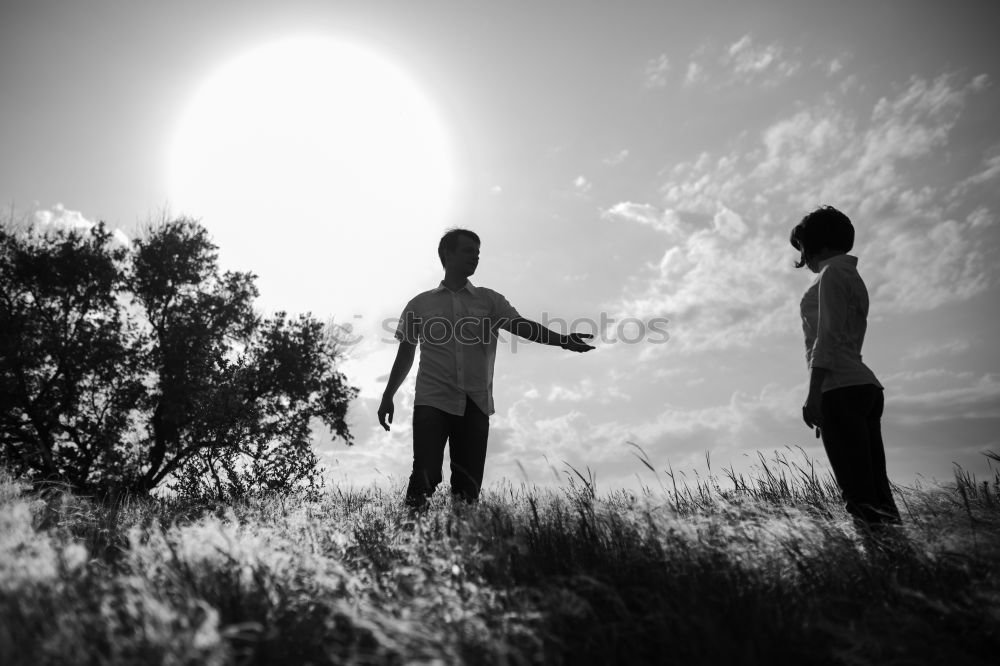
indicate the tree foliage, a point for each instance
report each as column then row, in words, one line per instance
column 124, row 368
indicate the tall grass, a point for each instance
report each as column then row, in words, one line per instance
column 738, row 569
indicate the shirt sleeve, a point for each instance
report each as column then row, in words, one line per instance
column 503, row 309
column 503, row 312
column 408, row 329
column 834, row 297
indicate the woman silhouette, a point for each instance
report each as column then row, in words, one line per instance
column 845, row 400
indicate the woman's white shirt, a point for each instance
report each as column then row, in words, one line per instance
column 834, row 313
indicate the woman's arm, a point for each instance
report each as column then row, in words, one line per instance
column 812, row 411
column 834, row 298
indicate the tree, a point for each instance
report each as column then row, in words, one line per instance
column 69, row 363
column 125, row 368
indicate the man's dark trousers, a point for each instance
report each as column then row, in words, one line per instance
column 466, row 436
column 852, row 437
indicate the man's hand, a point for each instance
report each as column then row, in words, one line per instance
column 575, row 342
column 385, row 411
column 400, row 367
column 812, row 412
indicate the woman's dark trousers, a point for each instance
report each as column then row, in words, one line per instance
column 466, row 436
column 852, row 437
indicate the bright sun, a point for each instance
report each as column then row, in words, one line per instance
column 322, row 168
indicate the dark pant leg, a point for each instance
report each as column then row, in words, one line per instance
column 848, row 415
column 884, row 500
column 468, row 452
column 431, row 427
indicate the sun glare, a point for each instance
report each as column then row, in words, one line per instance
column 318, row 165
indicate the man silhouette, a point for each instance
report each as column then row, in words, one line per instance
column 456, row 325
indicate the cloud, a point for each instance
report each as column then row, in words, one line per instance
column 925, row 397
column 673, row 430
column 991, row 170
column 617, row 158
column 60, row 217
column 656, row 72
column 728, row 224
column 725, row 423
column 937, row 265
column 717, row 296
column 676, row 435
column 831, row 151
column 981, row 218
column 587, row 390
column 987, row 173
column 718, row 265
column 935, row 350
column 695, row 73
column 749, row 60
column 746, row 62
column 666, row 221
column 724, row 277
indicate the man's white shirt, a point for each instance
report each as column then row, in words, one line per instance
column 457, row 332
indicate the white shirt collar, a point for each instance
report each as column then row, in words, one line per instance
column 468, row 287
column 839, row 259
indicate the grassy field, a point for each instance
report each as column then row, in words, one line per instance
column 733, row 570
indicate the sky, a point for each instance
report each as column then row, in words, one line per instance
column 633, row 168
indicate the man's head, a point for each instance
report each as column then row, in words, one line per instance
column 459, row 251
column 826, row 228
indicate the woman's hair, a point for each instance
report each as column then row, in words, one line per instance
column 825, row 227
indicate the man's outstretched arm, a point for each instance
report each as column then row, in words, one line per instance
column 400, row 368
column 532, row 330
